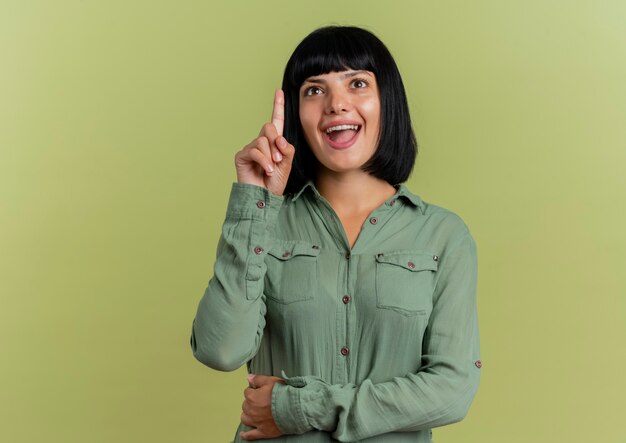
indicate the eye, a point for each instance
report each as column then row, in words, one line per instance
column 360, row 81
column 312, row 90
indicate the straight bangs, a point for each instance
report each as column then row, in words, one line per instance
column 327, row 53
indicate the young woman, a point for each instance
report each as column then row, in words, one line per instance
column 351, row 299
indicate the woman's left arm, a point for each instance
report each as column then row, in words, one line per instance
column 439, row 393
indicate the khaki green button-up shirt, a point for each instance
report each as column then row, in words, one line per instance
column 378, row 343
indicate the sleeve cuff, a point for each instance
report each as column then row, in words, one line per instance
column 287, row 410
column 253, row 202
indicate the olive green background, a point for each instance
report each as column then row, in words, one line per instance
column 119, row 121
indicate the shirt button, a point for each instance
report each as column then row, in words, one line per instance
column 347, row 254
column 286, row 254
column 258, row 250
column 392, row 202
column 411, row 265
column 436, row 257
column 315, row 247
column 260, row 204
column 373, row 220
column 345, row 350
column 479, row 364
column 345, row 299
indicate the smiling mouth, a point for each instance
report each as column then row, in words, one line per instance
column 342, row 139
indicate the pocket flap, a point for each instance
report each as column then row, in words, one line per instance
column 286, row 250
column 410, row 260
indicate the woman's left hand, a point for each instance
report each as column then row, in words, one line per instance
column 257, row 408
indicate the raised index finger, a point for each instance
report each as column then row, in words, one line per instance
column 278, row 113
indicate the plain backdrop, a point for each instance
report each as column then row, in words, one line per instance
column 119, row 121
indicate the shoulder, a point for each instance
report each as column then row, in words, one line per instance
column 452, row 227
column 446, row 218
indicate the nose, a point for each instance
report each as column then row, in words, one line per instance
column 337, row 102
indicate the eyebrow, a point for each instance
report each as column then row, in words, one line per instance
column 344, row 76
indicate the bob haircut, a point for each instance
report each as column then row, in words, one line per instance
column 340, row 48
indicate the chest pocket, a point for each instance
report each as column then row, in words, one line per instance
column 405, row 281
column 292, row 271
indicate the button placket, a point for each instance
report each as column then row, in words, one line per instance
column 345, row 317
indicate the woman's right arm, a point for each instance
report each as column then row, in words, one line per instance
column 229, row 322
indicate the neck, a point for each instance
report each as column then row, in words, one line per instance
column 354, row 192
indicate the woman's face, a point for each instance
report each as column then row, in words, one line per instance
column 340, row 116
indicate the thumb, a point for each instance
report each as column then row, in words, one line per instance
column 260, row 380
column 286, row 148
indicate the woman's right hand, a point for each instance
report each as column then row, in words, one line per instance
column 266, row 160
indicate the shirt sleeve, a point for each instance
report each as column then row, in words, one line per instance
column 439, row 393
column 230, row 319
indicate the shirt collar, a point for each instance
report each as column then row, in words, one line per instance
column 308, row 184
column 401, row 191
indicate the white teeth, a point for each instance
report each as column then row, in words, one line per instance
column 341, row 128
